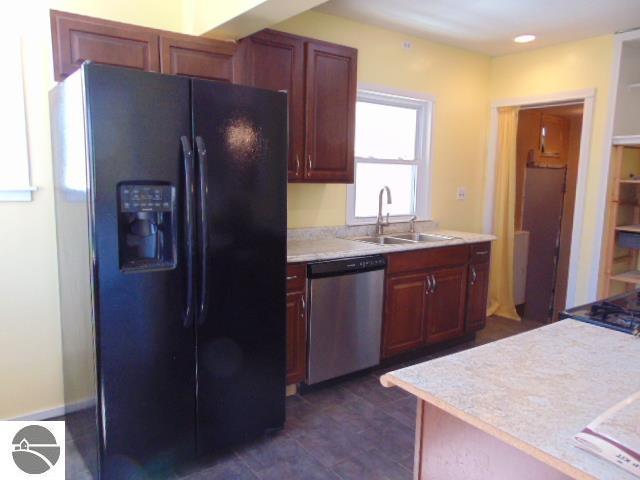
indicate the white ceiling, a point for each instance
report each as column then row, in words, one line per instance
column 488, row 26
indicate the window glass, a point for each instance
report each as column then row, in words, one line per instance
column 371, row 177
column 385, row 131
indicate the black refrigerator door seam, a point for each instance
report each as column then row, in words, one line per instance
column 188, row 226
column 204, row 230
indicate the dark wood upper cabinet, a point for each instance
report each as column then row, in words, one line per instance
column 275, row 61
column 320, row 79
column 446, row 304
column 77, row 38
column 403, row 327
column 197, row 57
column 330, row 112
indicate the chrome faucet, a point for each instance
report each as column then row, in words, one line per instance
column 380, row 224
column 412, row 224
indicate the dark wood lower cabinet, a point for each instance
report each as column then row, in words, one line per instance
column 477, row 296
column 445, row 313
column 296, row 324
column 404, row 326
column 296, row 338
column 434, row 295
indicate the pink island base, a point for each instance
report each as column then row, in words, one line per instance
column 448, row 448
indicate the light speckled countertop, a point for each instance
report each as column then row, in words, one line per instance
column 535, row 390
column 308, row 250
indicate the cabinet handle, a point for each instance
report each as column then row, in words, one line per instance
column 482, row 252
column 429, row 285
column 309, row 164
column 304, row 307
column 435, row 284
column 297, row 164
column 292, row 277
column 474, row 275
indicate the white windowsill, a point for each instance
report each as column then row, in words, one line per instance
column 392, row 219
column 17, row 194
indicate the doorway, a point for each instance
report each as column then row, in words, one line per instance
column 547, row 158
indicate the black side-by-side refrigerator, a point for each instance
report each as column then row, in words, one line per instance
column 171, row 226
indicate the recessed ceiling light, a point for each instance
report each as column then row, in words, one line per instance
column 524, row 38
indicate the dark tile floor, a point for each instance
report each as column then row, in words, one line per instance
column 355, row 429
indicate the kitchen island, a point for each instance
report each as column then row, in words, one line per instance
column 510, row 409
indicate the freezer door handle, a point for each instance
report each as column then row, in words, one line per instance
column 202, row 168
column 189, row 192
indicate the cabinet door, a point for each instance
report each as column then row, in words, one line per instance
column 330, row 112
column 275, row 61
column 77, row 38
column 404, row 314
column 477, row 296
column 446, row 304
column 197, row 57
column 296, row 337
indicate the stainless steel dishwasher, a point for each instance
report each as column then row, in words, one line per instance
column 345, row 323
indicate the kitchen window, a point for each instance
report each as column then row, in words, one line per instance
column 14, row 164
column 392, row 147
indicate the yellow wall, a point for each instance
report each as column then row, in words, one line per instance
column 458, row 79
column 203, row 15
column 30, row 352
column 565, row 67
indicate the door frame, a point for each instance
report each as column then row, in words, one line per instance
column 587, row 96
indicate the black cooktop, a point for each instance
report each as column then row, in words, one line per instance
column 621, row 313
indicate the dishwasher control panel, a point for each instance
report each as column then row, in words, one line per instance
column 346, row 266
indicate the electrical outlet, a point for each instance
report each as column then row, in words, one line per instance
column 461, row 193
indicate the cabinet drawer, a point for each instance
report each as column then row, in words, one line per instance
column 427, row 258
column 296, row 277
column 480, row 252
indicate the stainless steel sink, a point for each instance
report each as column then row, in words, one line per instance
column 382, row 240
column 421, row 237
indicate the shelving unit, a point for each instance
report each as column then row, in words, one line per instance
column 621, row 270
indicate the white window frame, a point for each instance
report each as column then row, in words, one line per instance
column 15, row 165
column 425, row 104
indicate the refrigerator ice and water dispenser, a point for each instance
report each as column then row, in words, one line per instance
column 146, row 226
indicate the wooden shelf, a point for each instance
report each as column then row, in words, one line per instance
column 613, row 260
column 632, row 276
column 629, row 228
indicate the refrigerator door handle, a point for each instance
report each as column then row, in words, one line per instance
column 189, row 230
column 202, row 167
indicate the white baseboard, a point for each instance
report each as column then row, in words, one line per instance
column 55, row 412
